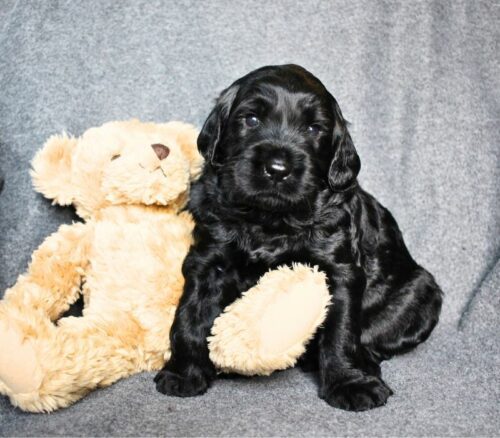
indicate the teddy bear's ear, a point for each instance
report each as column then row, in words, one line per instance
column 51, row 169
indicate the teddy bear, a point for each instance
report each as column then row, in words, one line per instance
column 129, row 182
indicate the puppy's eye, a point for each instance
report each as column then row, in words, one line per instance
column 251, row 120
column 314, row 129
column 114, row 157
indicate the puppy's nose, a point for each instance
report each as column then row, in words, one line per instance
column 161, row 150
column 277, row 168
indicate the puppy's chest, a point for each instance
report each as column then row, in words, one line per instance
column 307, row 244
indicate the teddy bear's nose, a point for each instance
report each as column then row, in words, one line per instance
column 161, row 150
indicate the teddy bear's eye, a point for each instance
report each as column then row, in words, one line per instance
column 114, row 157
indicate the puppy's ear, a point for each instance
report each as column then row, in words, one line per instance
column 345, row 164
column 213, row 128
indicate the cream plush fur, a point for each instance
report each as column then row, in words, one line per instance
column 125, row 259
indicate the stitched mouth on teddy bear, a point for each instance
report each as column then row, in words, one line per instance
column 154, row 170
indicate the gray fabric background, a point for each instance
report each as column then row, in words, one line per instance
column 420, row 83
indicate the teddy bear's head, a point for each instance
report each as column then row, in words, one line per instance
column 127, row 162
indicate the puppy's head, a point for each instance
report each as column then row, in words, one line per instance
column 277, row 137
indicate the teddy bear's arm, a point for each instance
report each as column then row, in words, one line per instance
column 28, row 308
column 267, row 329
column 54, row 276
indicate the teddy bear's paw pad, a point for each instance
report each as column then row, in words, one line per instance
column 268, row 327
column 19, row 369
column 291, row 318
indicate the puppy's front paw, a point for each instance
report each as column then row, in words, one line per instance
column 186, row 384
column 364, row 393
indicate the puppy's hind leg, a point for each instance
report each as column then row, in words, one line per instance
column 407, row 318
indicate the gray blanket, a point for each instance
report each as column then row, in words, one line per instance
column 420, row 83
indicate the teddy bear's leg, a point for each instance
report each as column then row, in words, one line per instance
column 77, row 356
column 268, row 328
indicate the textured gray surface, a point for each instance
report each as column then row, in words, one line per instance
column 420, row 83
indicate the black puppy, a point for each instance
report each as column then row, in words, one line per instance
column 279, row 186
